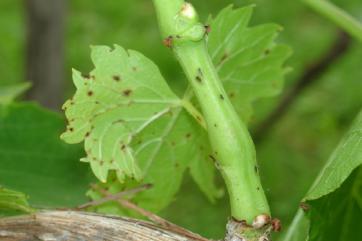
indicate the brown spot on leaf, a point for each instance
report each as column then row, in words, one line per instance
column 232, row 94
column 86, row 76
column 71, row 129
column 188, row 135
column 90, row 93
column 127, row 92
column 116, row 78
column 87, row 134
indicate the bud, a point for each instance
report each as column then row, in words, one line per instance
column 188, row 11
column 261, row 220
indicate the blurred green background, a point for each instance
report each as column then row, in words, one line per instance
column 290, row 154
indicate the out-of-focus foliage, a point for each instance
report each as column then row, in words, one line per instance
column 12, row 202
column 335, row 209
column 10, row 92
column 297, row 146
column 333, row 203
column 33, row 159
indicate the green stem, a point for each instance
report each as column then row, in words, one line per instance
column 338, row 16
column 233, row 149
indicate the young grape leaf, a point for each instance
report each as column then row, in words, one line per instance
column 333, row 203
column 13, row 201
column 123, row 95
column 133, row 125
column 248, row 60
column 34, row 161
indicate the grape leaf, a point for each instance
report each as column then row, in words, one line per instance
column 124, row 94
column 34, row 161
column 13, row 201
column 133, row 125
column 335, row 198
column 248, row 61
column 334, row 201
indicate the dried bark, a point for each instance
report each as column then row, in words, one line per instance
column 82, row 226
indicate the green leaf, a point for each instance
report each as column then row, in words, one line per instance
column 344, row 160
column 335, row 199
column 132, row 124
column 13, row 201
column 122, row 96
column 9, row 93
column 34, row 161
column 337, row 216
column 336, row 196
column 248, row 60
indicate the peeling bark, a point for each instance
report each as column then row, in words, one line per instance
column 82, row 226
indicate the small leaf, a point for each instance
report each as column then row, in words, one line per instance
column 9, row 93
column 12, row 201
column 249, row 62
column 133, row 125
column 121, row 96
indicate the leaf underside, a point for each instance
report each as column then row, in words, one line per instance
column 336, row 196
column 334, row 202
column 136, row 128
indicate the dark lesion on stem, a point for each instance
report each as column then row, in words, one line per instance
column 310, row 76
